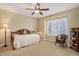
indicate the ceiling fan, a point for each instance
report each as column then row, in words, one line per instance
column 37, row 9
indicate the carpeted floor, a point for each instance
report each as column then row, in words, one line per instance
column 44, row 48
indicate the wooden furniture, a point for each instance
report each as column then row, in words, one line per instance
column 21, row 32
column 74, row 38
column 61, row 39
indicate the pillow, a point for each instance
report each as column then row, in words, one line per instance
column 25, row 32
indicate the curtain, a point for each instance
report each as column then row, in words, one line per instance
column 57, row 26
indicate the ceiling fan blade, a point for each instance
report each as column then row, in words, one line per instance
column 41, row 13
column 46, row 9
column 29, row 9
column 33, row 13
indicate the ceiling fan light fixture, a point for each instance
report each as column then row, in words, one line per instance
column 37, row 11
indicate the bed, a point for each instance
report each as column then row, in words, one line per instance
column 23, row 38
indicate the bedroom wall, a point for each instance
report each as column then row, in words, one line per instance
column 72, row 20
column 15, row 22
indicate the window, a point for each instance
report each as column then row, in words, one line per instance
column 57, row 26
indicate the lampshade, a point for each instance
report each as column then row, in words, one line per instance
column 5, row 25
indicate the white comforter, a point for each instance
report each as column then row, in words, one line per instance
column 24, row 40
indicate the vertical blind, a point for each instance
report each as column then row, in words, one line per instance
column 57, row 26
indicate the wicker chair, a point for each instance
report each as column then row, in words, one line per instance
column 61, row 39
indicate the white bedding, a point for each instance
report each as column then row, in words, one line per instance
column 24, row 40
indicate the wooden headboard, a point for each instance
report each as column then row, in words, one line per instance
column 22, row 31
column 19, row 32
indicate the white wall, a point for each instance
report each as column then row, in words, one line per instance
column 15, row 22
column 22, row 22
column 72, row 21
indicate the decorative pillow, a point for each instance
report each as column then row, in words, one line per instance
column 25, row 32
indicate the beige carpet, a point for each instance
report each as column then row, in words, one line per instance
column 44, row 48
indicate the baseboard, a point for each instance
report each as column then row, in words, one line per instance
column 1, row 45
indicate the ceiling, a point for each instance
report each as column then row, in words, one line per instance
column 54, row 8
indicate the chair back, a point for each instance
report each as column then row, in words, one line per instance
column 63, row 37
